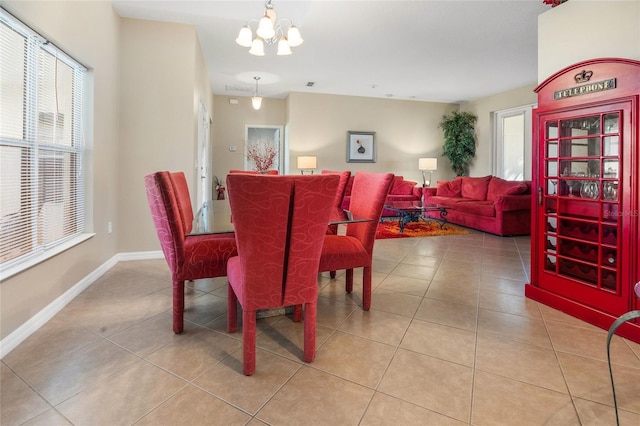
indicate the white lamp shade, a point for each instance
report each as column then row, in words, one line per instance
column 256, row 102
column 307, row 162
column 244, row 37
column 283, row 47
column 294, row 37
column 265, row 28
column 257, row 47
column 427, row 164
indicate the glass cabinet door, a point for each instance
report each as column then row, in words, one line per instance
column 579, row 197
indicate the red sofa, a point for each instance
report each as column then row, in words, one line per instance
column 488, row 203
column 400, row 190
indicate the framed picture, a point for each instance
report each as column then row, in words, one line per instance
column 361, row 147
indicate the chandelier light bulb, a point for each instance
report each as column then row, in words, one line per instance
column 257, row 47
column 265, row 28
column 294, row 37
column 283, row 47
column 245, row 36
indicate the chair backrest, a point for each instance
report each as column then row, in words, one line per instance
column 368, row 196
column 342, row 186
column 253, row 172
column 181, row 189
column 166, row 217
column 280, row 223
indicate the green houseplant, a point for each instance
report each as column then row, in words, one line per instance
column 459, row 140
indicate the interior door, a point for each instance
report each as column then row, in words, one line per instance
column 204, row 181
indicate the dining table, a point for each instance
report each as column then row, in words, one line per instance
column 214, row 217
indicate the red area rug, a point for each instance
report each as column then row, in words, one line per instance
column 391, row 229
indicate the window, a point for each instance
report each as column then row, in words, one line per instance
column 41, row 145
column 512, row 143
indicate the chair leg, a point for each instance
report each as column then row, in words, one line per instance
column 310, row 312
column 332, row 274
column 248, row 342
column 366, row 288
column 297, row 313
column 178, row 306
column 232, row 310
column 349, row 281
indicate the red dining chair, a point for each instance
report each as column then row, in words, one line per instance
column 183, row 198
column 337, row 202
column 355, row 249
column 280, row 223
column 189, row 257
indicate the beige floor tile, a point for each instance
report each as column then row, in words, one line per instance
column 332, row 313
column 440, row 341
column 121, row 281
column 412, row 286
column 502, row 285
column 18, row 402
column 553, row 315
column 49, row 418
column 469, row 264
column 456, row 272
column 314, row 397
column 413, row 271
column 55, row 338
column 428, row 261
column 454, row 291
column 395, row 303
column 502, row 401
column 514, row 327
column 123, row 398
column 190, row 355
column 589, row 378
column 150, row 335
column 360, row 360
column 204, row 309
column 463, row 255
column 383, row 266
column 193, row 406
column 596, row 414
column 448, row 313
column 519, row 361
column 431, row 383
column 376, row 325
column 286, row 338
column 591, row 343
column 60, row 378
column 385, row 410
column 249, row 393
column 509, row 304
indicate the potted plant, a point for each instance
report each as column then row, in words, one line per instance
column 459, row 140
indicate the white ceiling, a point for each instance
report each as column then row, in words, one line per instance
column 439, row 51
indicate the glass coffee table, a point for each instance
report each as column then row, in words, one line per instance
column 414, row 211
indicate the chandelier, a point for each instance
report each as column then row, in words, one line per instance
column 270, row 31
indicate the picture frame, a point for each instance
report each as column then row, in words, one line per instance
column 361, row 147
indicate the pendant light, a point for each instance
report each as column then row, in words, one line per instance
column 256, row 100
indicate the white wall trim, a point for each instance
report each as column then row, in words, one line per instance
column 10, row 342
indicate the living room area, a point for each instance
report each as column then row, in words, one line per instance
column 450, row 337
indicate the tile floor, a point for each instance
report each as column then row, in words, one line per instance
column 450, row 340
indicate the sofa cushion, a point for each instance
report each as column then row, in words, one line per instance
column 446, row 201
column 477, row 208
column 399, row 186
column 475, row 188
column 499, row 186
column 451, row 188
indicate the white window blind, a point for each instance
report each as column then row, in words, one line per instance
column 41, row 144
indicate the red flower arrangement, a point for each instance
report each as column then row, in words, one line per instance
column 263, row 155
column 553, row 3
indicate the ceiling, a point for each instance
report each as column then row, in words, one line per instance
column 439, row 51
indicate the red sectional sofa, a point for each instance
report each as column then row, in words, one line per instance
column 400, row 190
column 488, row 203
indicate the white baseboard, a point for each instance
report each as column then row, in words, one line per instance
column 10, row 342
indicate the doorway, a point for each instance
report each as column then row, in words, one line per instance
column 265, row 136
column 512, row 143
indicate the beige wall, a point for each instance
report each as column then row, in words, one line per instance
column 579, row 30
column 158, row 118
column 484, row 109
column 27, row 293
column 228, row 129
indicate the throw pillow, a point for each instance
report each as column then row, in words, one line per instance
column 449, row 188
column 499, row 186
column 475, row 188
column 404, row 187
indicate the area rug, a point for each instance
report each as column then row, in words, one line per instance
column 391, row 229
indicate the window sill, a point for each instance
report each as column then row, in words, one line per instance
column 16, row 269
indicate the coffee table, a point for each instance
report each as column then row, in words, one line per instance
column 414, row 211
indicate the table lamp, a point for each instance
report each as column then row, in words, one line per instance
column 307, row 163
column 427, row 165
